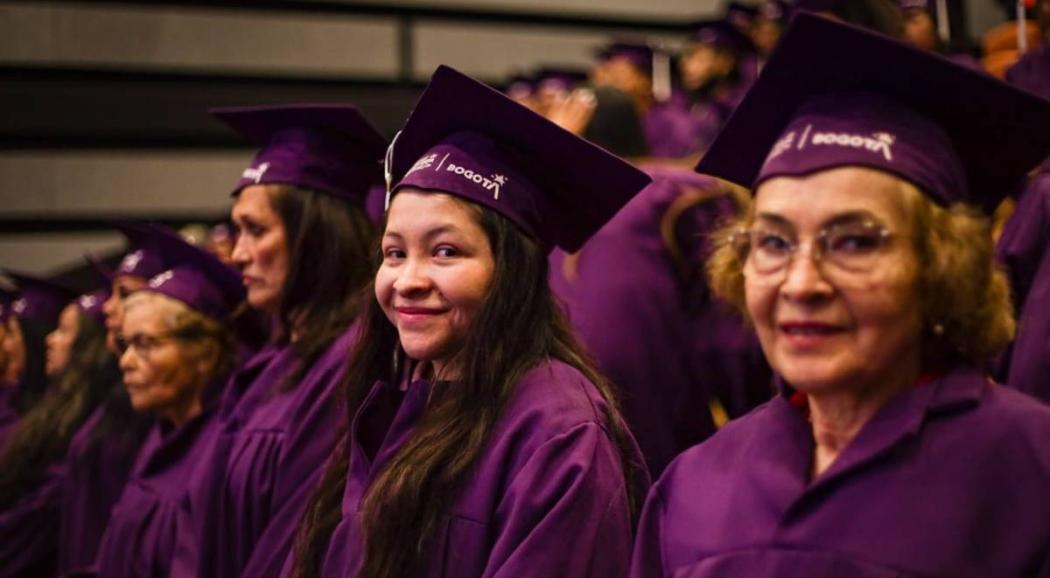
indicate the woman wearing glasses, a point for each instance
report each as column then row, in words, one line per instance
column 176, row 353
column 865, row 265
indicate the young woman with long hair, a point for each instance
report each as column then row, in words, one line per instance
column 78, row 370
column 480, row 440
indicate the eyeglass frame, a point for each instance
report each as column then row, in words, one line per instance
column 123, row 345
column 818, row 250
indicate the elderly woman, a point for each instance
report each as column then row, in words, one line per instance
column 177, row 353
column 867, row 271
column 305, row 248
column 483, row 442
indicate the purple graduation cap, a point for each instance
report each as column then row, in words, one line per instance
column 468, row 140
column 836, row 95
column 775, row 10
column 740, row 15
column 329, row 148
column 914, row 4
column 90, row 304
column 638, row 53
column 722, row 35
column 196, row 278
column 39, row 299
column 520, row 86
column 143, row 259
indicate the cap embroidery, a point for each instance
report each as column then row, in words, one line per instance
column 131, row 261
column 878, row 142
column 491, row 184
column 256, row 174
column 783, row 144
column 161, row 279
column 423, row 163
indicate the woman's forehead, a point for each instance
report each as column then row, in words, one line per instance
column 832, row 195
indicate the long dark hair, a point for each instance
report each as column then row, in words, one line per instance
column 331, row 257
column 33, row 382
column 518, row 326
column 44, row 433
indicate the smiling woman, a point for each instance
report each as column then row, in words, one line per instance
column 867, row 272
column 481, row 433
column 436, row 272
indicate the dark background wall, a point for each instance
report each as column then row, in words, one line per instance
column 102, row 103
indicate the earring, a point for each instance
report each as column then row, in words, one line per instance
column 938, row 329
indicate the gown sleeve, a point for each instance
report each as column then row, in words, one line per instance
column 565, row 512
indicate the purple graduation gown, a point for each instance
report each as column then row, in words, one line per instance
column 267, row 456
column 949, row 479
column 677, row 128
column 29, row 529
column 146, row 520
column 1025, row 250
column 642, row 322
column 96, row 471
column 547, row 499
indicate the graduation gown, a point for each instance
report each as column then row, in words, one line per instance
column 676, row 129
column 267, row 456
column 1025, row 250
column 637, row 315
column 29, row 528
column 947, row 480
column 547, row 498
column 96, row 471
column 145, row 522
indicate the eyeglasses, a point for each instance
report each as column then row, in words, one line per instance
column 850, row 248
column 144, row 344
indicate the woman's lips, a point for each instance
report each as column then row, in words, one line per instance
column 409, row 315
column 806, row 334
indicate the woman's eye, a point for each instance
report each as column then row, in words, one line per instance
column 853, row 242
column 393, row 253
column 446, row 251
column 771, row 242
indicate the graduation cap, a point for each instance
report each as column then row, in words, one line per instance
column 468, row 140
column 143, row 258
column 39, row 299
column 196, row 277
column 90, row 304
column 520, row 86
column 740, row 15
column 329, row 148
column 722, row 35
column 914, row 4
column 836, row 95
column 775, row 10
